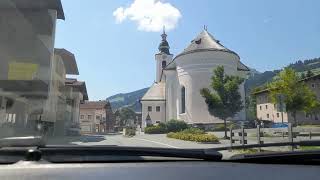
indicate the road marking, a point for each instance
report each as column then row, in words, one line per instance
column 157, row 142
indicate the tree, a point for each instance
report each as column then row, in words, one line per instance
column 225, row 101
column 303, row 76
column 297, row 95
column 251, row 107
column 309, row 73
column 127, row 116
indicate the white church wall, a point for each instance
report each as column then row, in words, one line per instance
column 194, row 72
column 171, row 94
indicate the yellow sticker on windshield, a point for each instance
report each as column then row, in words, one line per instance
column 22, row 71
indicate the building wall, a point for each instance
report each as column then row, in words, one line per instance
column 171, row 94
column 266, row 108
column 159, row 58
column 194, row 72
column 155, row 116
column 94, row 124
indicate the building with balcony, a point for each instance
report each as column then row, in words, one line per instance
column 33, row 87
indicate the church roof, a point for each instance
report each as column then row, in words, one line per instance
column 242, row 67
column 155, row 93
column 204, row 42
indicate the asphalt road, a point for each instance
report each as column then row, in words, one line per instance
column 159, row 140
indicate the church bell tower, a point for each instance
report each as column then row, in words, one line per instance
column 163, row 58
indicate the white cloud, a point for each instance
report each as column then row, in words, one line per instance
column 150, row 15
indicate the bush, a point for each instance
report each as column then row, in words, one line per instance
column 170, row 126
column 176, row 125
column 130, row 131
column 156, row 129
column 193, row 137
column 193, row 131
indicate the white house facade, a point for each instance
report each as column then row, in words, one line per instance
column 176, row 92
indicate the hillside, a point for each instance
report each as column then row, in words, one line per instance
column 302, row 67
column 130, row 100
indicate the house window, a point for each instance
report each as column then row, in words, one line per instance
column 89, row 117
column 313, row 85
column 98, row 117
column 82, row 117
column 183, row 99
column 278, row 115
column 266, row 106
column 164, row 64
column 316, row 117
column 268, row 116
column 149, row 108
column 260, row 107
column 158, row 108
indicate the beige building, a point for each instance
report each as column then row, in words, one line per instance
column 96, row 117
column 268, row 111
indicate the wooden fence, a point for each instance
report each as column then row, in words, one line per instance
column 240, row 136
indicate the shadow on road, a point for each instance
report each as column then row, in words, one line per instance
column 69, row 140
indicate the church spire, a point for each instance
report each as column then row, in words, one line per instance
column 164, row 45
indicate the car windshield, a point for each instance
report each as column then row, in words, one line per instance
column 161, row 73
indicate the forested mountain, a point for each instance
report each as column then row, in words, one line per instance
column 302, row 67
column 130, row 100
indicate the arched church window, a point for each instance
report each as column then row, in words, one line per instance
column 183, row 99
column 164, row 64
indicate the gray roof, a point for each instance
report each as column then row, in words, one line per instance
column 69, row 61
column 155, row 93
column 81, row 85
column 34, row 5
column 242, row 67
column 204, row 42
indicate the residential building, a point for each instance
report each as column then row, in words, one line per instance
column 268, row 111
column 96, row 117
column 176, row 91
column 32, row 72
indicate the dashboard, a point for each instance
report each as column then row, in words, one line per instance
column 184, row 170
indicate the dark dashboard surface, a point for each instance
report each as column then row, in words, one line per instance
column 184, row 170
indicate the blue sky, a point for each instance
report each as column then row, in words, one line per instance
column 118, row 57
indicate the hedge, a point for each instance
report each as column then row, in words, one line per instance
column 130, row 131
column 176, row 125
column 210, row 138
column 156, row 129
column 170, row 126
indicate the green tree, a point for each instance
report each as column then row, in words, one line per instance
column 127, row 116
column 303, row 76
column 309, row 73
column 225, row 101
column 251, row 107
column 297, row 95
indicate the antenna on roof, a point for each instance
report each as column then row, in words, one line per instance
column 164, row 29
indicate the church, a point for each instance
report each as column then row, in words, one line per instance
column 175, row 94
